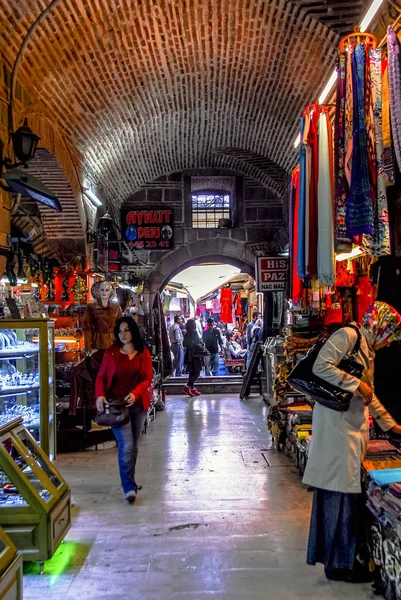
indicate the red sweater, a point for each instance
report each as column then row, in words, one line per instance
column 108, row 369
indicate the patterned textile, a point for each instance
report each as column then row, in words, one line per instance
column 349, row 110
column 359, row 214
column 394, row 79
column 388, row 158
column 308, row 161
column 379, row 243
column 325, row 247
column 301, row 206
column 382, row 323
column 340, row 179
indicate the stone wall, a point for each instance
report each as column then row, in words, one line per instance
column 257, row 217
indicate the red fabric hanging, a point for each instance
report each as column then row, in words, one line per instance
column 296, row 280
column 237, row 305
column 226, row 301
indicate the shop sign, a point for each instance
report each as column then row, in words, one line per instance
column 148, row 229
column 271, row 274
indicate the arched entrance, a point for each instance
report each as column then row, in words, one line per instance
column 219, row 250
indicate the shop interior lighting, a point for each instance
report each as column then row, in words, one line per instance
column 355, row 252
column 92, row 197
column 366, row 21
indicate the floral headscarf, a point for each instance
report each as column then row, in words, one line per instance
column 382, row 323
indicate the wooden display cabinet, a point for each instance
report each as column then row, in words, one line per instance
column 10, row 569
column 34, row 498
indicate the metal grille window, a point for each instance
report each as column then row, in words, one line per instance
column 209, row 207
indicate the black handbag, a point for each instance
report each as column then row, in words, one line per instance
column 199, row 350
column 113, row 415
column 303, row 380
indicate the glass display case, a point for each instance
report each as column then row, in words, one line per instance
column 34, row 498
column 27, row 377
column 10, row 569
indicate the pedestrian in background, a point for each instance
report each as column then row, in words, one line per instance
column 176, row 343
column 214, row 344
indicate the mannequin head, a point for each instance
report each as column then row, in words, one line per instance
column 105, row 290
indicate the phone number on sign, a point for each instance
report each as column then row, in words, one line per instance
column 150, row 244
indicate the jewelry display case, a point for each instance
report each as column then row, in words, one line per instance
column 34, row 498
column 27, row 377
column 10, row 569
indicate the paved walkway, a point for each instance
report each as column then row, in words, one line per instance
column 221, row 516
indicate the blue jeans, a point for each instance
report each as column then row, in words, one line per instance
column 127, row 438
column 178, row 361
column 212, row 365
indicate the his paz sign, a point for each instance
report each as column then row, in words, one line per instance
column 271, row 274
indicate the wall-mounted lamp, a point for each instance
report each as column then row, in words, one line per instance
column 92, row 197
column 25, row 143
column 104, row 227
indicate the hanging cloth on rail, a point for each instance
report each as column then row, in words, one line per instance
column 378, row 244
column 301, row 207
column 294, row 213
column 226, row 301
column 325, row 248
column 359, row 203
column 313, row 149
column 388, row 157
column 341, row 184
column 394, row 80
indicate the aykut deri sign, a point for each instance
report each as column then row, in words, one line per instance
column 271, row 273
column 148, row 229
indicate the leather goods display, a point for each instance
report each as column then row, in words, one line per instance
column 114, row 415
column 306, row 382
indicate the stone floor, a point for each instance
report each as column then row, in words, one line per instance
column 221, row 515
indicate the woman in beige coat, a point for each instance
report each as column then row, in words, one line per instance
column 339, row 443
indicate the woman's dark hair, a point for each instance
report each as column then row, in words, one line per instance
column 134, row 329
column 191, row 325
column 229, row 335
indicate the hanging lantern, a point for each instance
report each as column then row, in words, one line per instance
column 24, row 142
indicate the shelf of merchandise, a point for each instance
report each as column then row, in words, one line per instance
column 10, row 569
column 25, row 396
column 35, row 509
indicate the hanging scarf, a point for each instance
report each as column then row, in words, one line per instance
column 381, row 323
column 296, row 281
column 379, row 243
column 341, row 183
column 359, row 201
column 394, row 80
column 301, row 206
column 313, row 145
column 388, row 158
column 308, row 159
column 325, row 250
column 349, row 110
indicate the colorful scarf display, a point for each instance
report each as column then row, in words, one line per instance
column 325, row 246
column 394, row 80
column 382, row 323
column 359, row 212
column 301, row 205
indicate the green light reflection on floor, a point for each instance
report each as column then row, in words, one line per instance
column 68, row 559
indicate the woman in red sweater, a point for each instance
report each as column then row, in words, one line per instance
column 126, row 374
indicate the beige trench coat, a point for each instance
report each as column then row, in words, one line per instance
column 339, row 439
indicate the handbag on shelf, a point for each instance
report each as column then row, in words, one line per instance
column 113, row 415
column 303, row 380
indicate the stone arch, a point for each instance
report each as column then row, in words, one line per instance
column 215, row 250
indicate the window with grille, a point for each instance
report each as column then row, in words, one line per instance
column 209, row 207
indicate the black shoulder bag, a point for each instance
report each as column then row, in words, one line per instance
column 306, row 382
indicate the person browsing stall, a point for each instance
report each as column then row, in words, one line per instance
column 339, row 444
column 126, row 375
column 214, row 344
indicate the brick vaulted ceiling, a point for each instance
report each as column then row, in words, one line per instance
column 141, row 88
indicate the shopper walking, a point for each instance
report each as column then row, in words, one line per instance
column 193, row 358
column 339, row 444
column 126, row 374
column 176, row 338
column 255, row 317
column 214, row 344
